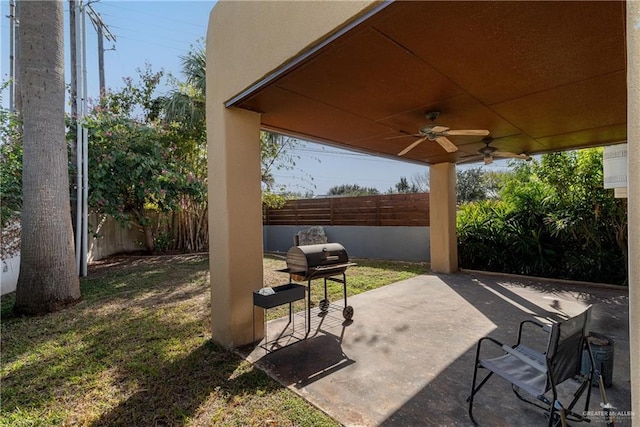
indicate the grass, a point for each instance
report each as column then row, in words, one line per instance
column 137, row 350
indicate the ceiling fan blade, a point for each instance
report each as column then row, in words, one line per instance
column 508, row 155
column 449, row 146
column 402, row 136
column 470, row 159
column 469, row 132
column 438, row 129
column 412, row 146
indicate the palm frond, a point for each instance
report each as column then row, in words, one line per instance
column 194, row 68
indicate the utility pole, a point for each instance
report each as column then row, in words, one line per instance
column 73, row 59
column 12, row 35
column 103, row 33
column 82, row 211
column 73, row 93
column 101, row 60
column 14, row 104
column 78, row 52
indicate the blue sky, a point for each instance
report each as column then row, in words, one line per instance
column 158, row 33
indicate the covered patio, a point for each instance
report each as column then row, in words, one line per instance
column 364, row 75
column 407, row 358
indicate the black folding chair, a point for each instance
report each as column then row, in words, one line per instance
column 539, row 373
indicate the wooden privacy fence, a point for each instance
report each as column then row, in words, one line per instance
column 384, row 210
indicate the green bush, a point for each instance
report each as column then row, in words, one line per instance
column 553, row 219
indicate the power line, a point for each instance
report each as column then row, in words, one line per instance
column 164, row 45
column 146, row 13
column 346, row 154
column 162, row 30
column 103, row 33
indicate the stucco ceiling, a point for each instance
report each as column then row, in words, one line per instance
column 540, row 76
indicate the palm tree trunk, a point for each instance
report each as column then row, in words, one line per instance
column 148, row 238
column 48, row 278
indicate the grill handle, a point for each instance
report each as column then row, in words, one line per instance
column 329, row 257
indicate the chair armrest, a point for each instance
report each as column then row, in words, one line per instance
column 481, row 340
column 491, row 339
column 525, row 354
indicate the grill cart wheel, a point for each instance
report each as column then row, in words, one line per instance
column 324, row 305
column 347, row 312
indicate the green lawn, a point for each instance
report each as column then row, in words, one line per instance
column 137, row 350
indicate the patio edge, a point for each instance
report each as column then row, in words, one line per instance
column 547, row 279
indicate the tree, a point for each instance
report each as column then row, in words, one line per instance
column 138, row 165
column 476, row 184
column 10, row 182
column 185, row 109
column 352, row 190
column 276, row 155
column 186, row 103
column 11, row 170
column 493, row 182
column 421, row 182
column 185, row 106
column 48, row 279
column 470, row 186
column 403, row 187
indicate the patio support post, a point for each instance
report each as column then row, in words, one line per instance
column 235, row 215
column 633, row 171
column 241, row 51
column 442, row 218
column 234, row 193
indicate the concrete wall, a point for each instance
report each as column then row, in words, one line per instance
column 396, row 243
column 10, row 262
column 112, row 239
column 9, row 274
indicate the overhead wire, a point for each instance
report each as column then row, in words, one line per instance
column 147, row 13
column 126, row 27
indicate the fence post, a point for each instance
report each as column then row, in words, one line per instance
column 331, row 212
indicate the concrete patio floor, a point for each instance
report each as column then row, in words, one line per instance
column 406, row 358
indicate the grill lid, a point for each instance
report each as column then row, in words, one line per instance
column 302, row 259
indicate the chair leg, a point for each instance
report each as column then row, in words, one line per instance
column 558, row 409
column 584, row 386
column 475, row 389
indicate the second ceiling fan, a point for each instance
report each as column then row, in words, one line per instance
column 488, row 153
column 439, row 134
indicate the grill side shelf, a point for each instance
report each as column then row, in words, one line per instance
column 283, row 294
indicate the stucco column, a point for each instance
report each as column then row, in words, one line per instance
column 442, row 218
column 633, row 170
column 235, row 223
column 241, row 51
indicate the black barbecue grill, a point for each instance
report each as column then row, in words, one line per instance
column 327, row 261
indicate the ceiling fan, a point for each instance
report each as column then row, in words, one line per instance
column 433, row 132
column 488, row 153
